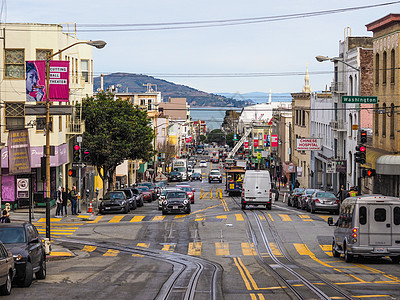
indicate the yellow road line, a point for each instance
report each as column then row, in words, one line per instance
column 57, row 233
column 180, row 216
column 239, row 217
column 116, row 219
column 302, row 249
column 222, row 217
column 248, row 250
column 43, row 220
column 269, row 215
column 137, row 219
column 111, row 252
column 305, row 218
column 158, row 218
column 137, row 255
column 83, row 216
column 221, row 249
column 143, row 245
column 253, row 283
column 96, row 220
column 60, row 253
column 253, row 296
column 168, row 247
column 261, row 296
column 200, row 210
column 194, row 249
column 246, row 282
column 275, row 249
column 89, row 248
column 285, row 218
column 327, row 249
column 199, row 219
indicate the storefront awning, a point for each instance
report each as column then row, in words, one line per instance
column 372, row 156
column 388, row 165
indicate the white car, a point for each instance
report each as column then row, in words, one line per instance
column 203, row 164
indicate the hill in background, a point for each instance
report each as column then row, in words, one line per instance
column 259, row 97
column 136, row 83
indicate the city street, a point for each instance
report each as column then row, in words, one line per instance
column 218, row 251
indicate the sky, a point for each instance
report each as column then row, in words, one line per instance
column 275, row 48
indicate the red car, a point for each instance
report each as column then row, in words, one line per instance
column 189, row 191
column 147, row 194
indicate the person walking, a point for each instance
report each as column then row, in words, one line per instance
column 59, row 203
column 341, row 194
column 64, row 198
column 73, row 198
column 5, row 218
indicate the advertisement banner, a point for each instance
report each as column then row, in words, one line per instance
column 308, row 144
column 255, row 143
column 274, row 140
column 36, row 81
column 19, row 152
column 246, row 145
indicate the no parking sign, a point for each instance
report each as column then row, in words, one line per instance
column 22, row 188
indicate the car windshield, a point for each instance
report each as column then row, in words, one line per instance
column 196, row 174
column 109, row 196
column 12, row 235
column 298, row 190
column 180, row 169
column 185, row 188
column 309, row 192
column 127, row 193
column 203, row 162
column 174, row 173
column 215, row 173
column 143, row 189
column 135, row 191
column 148, row 184
column 175, row 195
column 325, row 195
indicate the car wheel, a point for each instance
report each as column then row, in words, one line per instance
column 41, row 274
column 28, row 276
column 243, row 206
column 6, row 288
column 335, row 253
column 347, row 257
column 164, row 212
column 188, row 210
column 134, row 205
column 312, row 209
column 395, row 259
column 289, row 203
column 101, row 212
column 268, row 206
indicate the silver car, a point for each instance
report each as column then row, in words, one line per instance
column 324, row 201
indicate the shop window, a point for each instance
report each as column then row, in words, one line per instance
column 14, row 63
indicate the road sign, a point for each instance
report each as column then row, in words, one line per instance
column 331, row 167
column 22, row 188
column 258, row 155
column 79, row 165
column 160, row 177
column 360, row 99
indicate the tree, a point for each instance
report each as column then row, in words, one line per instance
column 217, row 136
column 115, row 131
column 203, row 138
column 229, row 139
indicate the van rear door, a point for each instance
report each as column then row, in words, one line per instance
column 380, row 225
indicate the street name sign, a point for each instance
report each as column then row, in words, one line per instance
column 360, row 99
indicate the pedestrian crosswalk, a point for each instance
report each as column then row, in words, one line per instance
column 57, row 229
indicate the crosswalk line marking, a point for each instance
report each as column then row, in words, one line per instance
column 180, row 216
column 96, row 220
column 221, row 249
column 116, row 219
column 89, row 248
column 327, row 249
column 158, row 218
column 199, row 219
column 143, row 245
column 43, row 220
column 305, row 218
column 137, row 219
column 194, row 249
column 83, row 216
column 285, row 218
column 168, row 247
column 222, row 217
column 269, row 215
column 275, row 249
column 111, row 252
column 324, row 217
column 302, row 249
column 239, row 217
column 60, row 253
column 248, row 250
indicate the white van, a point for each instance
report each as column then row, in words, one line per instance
column 256, row 188
column 367, row 225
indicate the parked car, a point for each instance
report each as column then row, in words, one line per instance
column 146, row 193
column 203, row 164
column 175, row 201
column 294, row 197
column 189, row 191
column 138, row 195
column 324, row 201
column 130, row 197
column 114, row 202
column 23, row 241
column 196, row 176
column 162, row 197
column 151, row 187
column 7, row 270
column 215, row 175
column 305, row 197
column 174, row 176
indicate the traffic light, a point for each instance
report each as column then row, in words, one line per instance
column 86, row 156
column 72, row 173
column 77, row 153
column 159, row 156
column 360, row 154
column 363, row 137
column 371, row 172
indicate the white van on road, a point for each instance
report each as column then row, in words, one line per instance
column 367, row 225
column 256, row 189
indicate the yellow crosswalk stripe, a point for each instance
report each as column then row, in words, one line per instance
column 222, row 217
column 89, row 248
column 221, row 249
column 305, row 218
column 327, row 249
column 248, row 250
column 180, row 216
column 111, row 252
column 285, row 218
column 143, row 245
column 43, row 220
column 275, row 249
column 239, row 217
column 168, row 247
column 137, row 219
column 116, row 219
column 96, row 220
column 194, row 249
column 158, row 218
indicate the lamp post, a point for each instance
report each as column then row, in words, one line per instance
column 97, row 44
column 321, row 58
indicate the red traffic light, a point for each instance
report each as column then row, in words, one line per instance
column 362, row 148
column 72, row 173
column 76, row 147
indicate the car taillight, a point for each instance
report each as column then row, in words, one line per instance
column 317, row 200
column 270, row 194
column 354, row 232
column 337, row 201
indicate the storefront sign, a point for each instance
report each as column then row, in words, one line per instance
column 341, row 166
column 246, row 145
column 255, row 143
column 308, row 144
column 274, row 141
column 19, row 152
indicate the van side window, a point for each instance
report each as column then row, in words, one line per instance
column 396, row 215
column 380, row 215
column 363, row 215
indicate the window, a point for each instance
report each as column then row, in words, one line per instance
column 363, row 215
column 384, row 68
column 392, row 117
column 380, row 215
column 142, row 102
column 15, row 115
column 41, row 123
column 351, row 85
column 14, row 63
column 60, row 127
column 376, row 121
column 85, row 69
column 396, row 215
column 377, row 69
column 384, row 120
column 297, row 117
column 304, row 118
column 42, row 54
column 392, row 66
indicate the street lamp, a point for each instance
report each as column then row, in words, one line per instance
column 98, row 45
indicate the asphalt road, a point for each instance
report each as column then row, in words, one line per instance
column 216, row 252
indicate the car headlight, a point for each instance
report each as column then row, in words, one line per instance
column 185, row 202
column 17, row 257
column 165, row 202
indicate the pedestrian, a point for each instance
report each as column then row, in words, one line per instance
column 5, row 217
column 59, row 203
column 73, row 198
column 297, row 184
column 341, row 194
column 64, row 198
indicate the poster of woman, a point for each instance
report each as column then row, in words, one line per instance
column 34, row 84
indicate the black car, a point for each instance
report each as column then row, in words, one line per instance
column 130, row 197
column 196, row 176
column 114, row 202
column 138, row 195
column 23, row 241
column 175, row 176
column 176, row 201
column 7, row 270
column 293, row 199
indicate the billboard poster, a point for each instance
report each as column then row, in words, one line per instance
column 308, row 144
column 246, row 145
column 274, row 140
column 35, row 81
column 255, row 143
column 19, row 152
